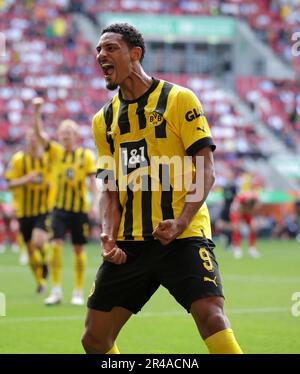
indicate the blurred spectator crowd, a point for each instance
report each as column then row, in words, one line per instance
column 235, row 137
column 277, row 102
column 46, row 55
column 275, row 21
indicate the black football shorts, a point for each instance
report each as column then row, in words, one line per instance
column 76, row 223
column 28, row 224
column 186, row 267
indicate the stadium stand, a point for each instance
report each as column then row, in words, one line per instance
column 51, row 57
column 278, row 105
column 274, row 21
column 42, row 59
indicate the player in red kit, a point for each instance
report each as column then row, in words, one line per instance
column 243, row 210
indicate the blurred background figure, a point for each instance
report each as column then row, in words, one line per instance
column 28, row 176
column 73, row 175
column 244, row 210
column 229, row 192
column 10, row 235
column 9, row 228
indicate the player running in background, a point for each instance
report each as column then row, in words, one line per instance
column 151, row 237
column 229, row 192
column 9, row 227
column 243, row 210
column 74, row 165
column 28, row 178
column 10, row 230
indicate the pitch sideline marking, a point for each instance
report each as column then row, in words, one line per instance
column 145, row 315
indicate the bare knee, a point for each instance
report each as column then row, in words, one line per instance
column 96, row 344
column 78, row 248
column 39, row 238
column 209, row 316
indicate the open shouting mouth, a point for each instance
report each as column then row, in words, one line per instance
column 107, row 69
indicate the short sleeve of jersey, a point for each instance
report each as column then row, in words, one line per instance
column 105, row 161
column 89, row 162
column 14, row 169
column 193, row 127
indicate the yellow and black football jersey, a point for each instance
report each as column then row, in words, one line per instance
column 167, row 122
column 31, row 199
column 71, row 171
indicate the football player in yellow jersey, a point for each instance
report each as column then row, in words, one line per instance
column 73, row 166
column 28, row 177
column 154, row 232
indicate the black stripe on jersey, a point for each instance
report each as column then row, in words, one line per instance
column 40, row 201
column 24, row 164
column 68, row 193
column 63, row 189
column 160, row 130
column 82, row 157
column 47, row 199
column 31, row 202
column 63, row 192
column 140, row 111
column 40, row 194
column 76, row 188
column 59, row 191
column 147, row 207
column 123, row 120
column 199, row 144
column 25, row 193
column 108, row 116
column 24, row 187
column 167, row 192
column 128, row 221
column 65, row 156
column 44, row 200
column 80, row 196
column 163, row 98
column 30, row 193
column 73, row 197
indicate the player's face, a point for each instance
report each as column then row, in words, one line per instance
column 31, row 140
column 115, row 59
column 67, row 137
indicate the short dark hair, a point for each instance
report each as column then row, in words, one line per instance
column 131, row 36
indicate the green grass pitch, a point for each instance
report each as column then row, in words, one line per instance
column 258, row 303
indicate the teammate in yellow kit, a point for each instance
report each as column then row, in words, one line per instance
column 152, row 237
column 74, row 165
column 28, row 177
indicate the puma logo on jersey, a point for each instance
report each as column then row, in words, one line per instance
column 214, row 281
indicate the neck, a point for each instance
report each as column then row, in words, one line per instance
column 34, row 152
column 70, row 148
column 136, row 84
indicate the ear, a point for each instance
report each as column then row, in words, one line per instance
column 136, row 53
